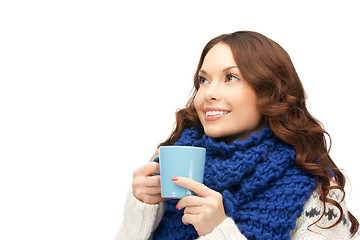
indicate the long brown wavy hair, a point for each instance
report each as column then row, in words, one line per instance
column 267, row 67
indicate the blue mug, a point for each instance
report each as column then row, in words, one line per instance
column 179, row 161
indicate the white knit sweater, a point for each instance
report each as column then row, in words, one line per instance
column 141, row 219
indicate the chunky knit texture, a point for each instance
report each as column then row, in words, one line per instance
column 263, row 190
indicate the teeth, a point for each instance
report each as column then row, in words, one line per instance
column 213, row 113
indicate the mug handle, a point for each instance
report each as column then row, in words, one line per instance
column 156, row 159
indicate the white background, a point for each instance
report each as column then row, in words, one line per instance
column 89, row 88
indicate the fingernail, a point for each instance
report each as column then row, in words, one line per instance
column 175, row 179
column 176, row 207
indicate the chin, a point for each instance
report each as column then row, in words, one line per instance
column 215, row 134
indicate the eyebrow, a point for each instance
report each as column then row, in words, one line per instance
column 224, row 70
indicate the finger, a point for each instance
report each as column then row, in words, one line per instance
column 188, row 219
column 153, row 190
column 147, row 190
column 193, row 210
column 152, row 181
column 151, row 198
column 138, row 185
column 147, row 170
column 153, row 167
column 193, row 185
column 190, row 201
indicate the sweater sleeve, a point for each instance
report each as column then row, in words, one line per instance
column 140, row 219
column 313, row 209
column 224, row 231
column 304, row 229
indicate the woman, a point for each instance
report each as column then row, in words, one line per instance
column 268, row 172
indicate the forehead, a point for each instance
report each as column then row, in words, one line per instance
column 219, row 55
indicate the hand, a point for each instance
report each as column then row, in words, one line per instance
column 205, row 212
column 146, row 186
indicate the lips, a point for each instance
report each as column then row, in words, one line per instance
column 213, row 114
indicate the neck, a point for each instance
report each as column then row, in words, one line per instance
column 243, row 135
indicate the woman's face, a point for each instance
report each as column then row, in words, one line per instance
column 225, row 103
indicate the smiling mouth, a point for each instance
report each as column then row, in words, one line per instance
column 216, row 113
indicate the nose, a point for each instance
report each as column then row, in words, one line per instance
column 213, row 92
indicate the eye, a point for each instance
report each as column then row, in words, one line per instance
column 231, row 78
column 202, row 80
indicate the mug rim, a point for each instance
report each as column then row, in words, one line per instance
column 191, row 147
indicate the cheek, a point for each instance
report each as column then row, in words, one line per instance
column 197, row 103
column 247, row 108
column 254, row 113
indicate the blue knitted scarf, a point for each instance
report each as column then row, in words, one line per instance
column 263, row 190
